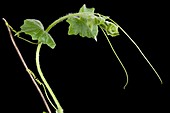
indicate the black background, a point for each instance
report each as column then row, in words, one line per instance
column 84, row 74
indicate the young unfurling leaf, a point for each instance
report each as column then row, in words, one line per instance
column 110, row 28
column 35, row 28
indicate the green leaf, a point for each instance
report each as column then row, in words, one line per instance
column 85, row 25
column 35, row 28
column 82, row 27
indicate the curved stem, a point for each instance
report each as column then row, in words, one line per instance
column 26, row 67
column 63, row 18
column 127, row 79
column 60, row 110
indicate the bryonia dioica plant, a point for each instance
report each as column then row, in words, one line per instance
column 85, row 23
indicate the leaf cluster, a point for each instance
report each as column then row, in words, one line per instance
column 85, row 24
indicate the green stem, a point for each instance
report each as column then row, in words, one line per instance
column 139, row 51
column 63, row 18
column 143, row 56
column 60, row 110
column 127, row 79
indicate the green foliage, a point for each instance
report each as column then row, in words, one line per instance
column 84, row 23
column 35, row 28
column 87, row 24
